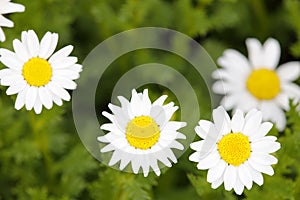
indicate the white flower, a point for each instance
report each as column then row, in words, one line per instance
column 235, row 151
column 255, row 83
column 38, row 77
column 7, row 7
column 140, row 132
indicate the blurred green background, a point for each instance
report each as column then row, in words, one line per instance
column 42, row 157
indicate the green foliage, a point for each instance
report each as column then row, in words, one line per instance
column 42, row 157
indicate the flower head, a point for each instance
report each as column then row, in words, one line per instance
column 7, row 7
column 235, row 151
column 38, row 76
column 141, row 132
column 256, row 83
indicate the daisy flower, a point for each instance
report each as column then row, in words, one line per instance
column 256, row 83
column 236, row 151
column 7, row 7
column 140, row 132
column 38, row 76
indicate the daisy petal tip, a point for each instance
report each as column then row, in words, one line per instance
column 99, row 138
column 157, row 172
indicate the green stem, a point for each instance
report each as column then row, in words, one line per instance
column 42, row 142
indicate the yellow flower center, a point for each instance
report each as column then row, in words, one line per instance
column 234, row 148
column 142, row 132
column 264, row 84
column 37, row 72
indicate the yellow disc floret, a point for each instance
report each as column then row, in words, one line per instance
column 264, row 84
column 37, row 72
column 234, row 148
column 142, row 132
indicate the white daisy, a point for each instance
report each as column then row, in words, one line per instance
column 255, row 83
column 140, row 132
column 7, row 7
column 37, row 79
column 235, row 151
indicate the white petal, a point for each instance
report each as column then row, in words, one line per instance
column 158, row 113
column 283, row 100
column 263, row 158
column 195, row 157
column 31, row 97
column 255, row 52
column 266, row 169
column 64, row 82
column 4, row 22
column 222, row 87
column 245, row 176
column 45, row 97
column 59, row 91
column 237, row 122
column 125, row 161
column 197, row 146
column 160, row 100
column 116, row 157
column 64, row 63
column 291, row 89
column 200, row 132
column 250, row 113
column 61, row 54
column 209, row 161
column 289, row 71
column 174, row 125
column 176, row 145
column 221, row 120
column 271, row 53
column 10, row 59
column 252, row 124
column 7, row 72
column 121, row 117
column 145, row 166
column 67, row 73
column 11, row 8
column 48, row 45
column 162, row 157
column 107, row 148
column 154, row 166
column 136, row 164
column 126, row 107
column 262, row 131
column 217, row 183
column 76, row 67
column 230, row 176
column 205, row 125
column 233, row 60
column 170, row 109
column 11, row 80
column 16, row 88
column 21, row 98
column 57, row 100
column 146, row 103
column 2, row 35
column 21, row 50
column 248, row 101
column 231, row 100
column 265, row 146
column 216, row 172
column 238, row 187
column 256, row 176
column 33, row 43
column 272, row 112
column 38, row 106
